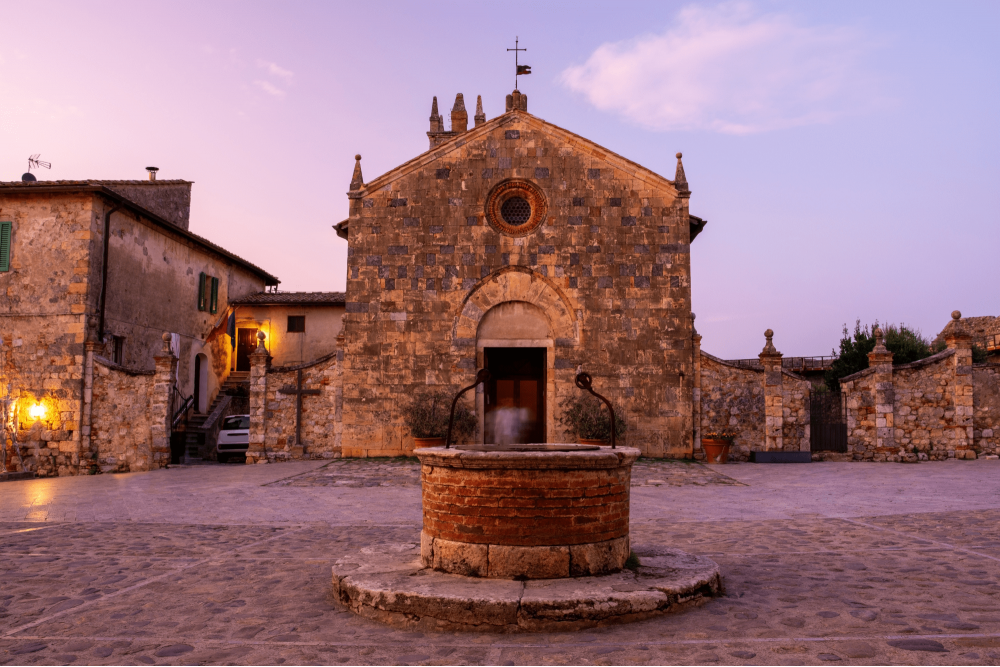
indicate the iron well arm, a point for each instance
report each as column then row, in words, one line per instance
column 481, row 377
column 584, row 381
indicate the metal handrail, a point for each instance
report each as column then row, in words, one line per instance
column 181, row 411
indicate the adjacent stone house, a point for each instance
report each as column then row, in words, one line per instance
column 92, row 273
column 298, row 326
column 521, row 247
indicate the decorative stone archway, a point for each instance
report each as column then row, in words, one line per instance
column 501, row 291
column 518, row 283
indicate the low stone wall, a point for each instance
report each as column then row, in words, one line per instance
column 121, row 417
column 273, row 411
column 733, row 398
column 986, row 408
column 937, row 408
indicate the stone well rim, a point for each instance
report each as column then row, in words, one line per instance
column 604, row 457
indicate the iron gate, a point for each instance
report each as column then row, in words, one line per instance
column 828, row 423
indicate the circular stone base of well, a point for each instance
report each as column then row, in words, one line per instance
column 387, row 583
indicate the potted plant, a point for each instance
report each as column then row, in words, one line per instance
column 588, row 418
column 427, row 414
column 716, row 445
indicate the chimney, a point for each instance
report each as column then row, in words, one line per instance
column 480, row 117
column 459, row 117
column 152, row 172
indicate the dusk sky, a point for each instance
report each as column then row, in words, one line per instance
column 845, row 154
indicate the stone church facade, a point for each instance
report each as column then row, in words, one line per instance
column 518, row 246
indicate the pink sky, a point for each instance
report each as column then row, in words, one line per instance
column 845, row 154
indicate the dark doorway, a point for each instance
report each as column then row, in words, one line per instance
column 246, row 343
column 515, row 395
column 197, row 383
column 827, row 422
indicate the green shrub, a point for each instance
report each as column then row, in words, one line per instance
column 587, row 416
column 426, row 415
column 906, row 345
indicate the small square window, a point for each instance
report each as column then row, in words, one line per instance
column 296, row 323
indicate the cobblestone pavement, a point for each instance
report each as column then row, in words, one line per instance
column 356, row 473
column 852, row 563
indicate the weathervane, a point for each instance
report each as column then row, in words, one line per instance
column 521, row 69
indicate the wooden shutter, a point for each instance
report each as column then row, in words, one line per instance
column 5, row 245
column 202, row 279
column 215, row 295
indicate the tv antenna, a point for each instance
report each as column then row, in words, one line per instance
column 35, row 163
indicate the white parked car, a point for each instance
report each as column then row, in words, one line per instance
column 234, row 437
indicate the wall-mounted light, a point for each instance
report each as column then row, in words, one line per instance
column 37, row 411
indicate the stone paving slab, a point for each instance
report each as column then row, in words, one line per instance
column 880, row 563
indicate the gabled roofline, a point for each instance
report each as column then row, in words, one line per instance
column 124, row 202
column 616, row 160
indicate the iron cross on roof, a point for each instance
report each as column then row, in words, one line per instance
column 520, row 69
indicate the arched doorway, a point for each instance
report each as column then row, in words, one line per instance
column 514, row 342
column 200, row 383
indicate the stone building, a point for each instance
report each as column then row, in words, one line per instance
column 92, row 273
column 298, row 326
column 521, row 247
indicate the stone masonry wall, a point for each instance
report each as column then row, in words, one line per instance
column 319, row 413
column 924, row 407
column 986, row 408
column 859, row 394
column 47, row 287
column 733, row 398
column 609, row 265
column 795, row 429
column 121, row 417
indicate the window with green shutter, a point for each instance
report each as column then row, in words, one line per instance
column 5, row 226
column 215, row 295
column 202, row 291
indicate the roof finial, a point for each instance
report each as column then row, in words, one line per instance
column 769, row 349
column 357, row 182
column 459, row 116
column 480, row 117
column 437, row 123
column 680, row 179
column 879, row 341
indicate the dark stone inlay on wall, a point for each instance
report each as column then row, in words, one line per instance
column 356, row 307
column 399, row 250
column 593, row 248
column 431, row 259
column 628, row 221
column 565, row 363
column 574, row 258
column 430, row 283
column 411, row 222
column 447, row 250
column 396, row 203
column 641, row 281
column 471, row 221
column 615, row 201
column 647, row 212
column 605, row 282
column 578, row 201
column 491, row 250
column 454, row 201
column 401, row 272
column 503, row 163
column 436, row 229
column 512, row 134
column 573, row 282
column 675, row 281
column 576, row 220
column 487, row 173
column 541, row 172
column 367, row 203
column 546, row 249
column 642, row 249
column 390, row 283
column 442, row 173
column 593, row 174
column 373, row 260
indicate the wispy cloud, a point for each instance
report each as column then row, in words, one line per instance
column 731, row 69
column 269, row 88
column 276, row 70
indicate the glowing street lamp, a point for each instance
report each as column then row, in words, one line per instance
column 37, row 411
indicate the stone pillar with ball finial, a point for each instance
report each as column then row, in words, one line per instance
column 957, row 338
column 880, row 359
column 256, row 452
column 774, row 413
column 164, row 379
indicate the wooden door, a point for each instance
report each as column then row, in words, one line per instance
column 515, row 395
column 246, row 343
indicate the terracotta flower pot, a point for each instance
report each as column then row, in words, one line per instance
column 427, row 442
column 592, row 441
column 716, row 451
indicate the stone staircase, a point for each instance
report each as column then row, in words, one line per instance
column 196, row 429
